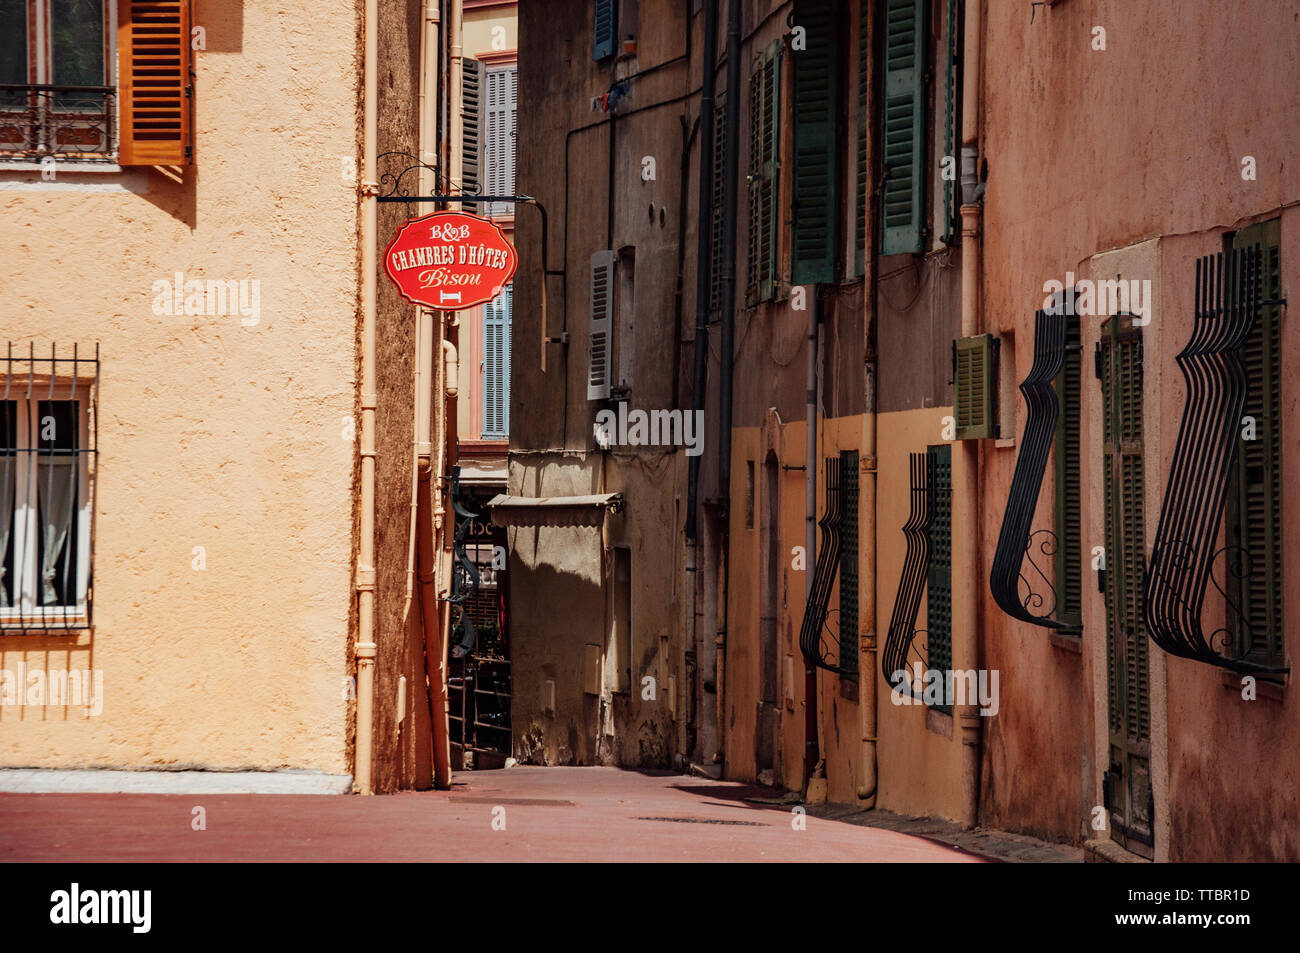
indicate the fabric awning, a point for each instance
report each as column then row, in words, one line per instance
column 553, row 510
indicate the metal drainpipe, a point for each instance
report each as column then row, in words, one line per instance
column 726, row 344
column 703, row 277
column 867, row 591
column 966, row 549
column 811, row 755
column 366, row 649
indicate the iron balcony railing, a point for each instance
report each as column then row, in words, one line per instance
column 816, row 647
column 1227, row 305
column 38, row 120
column 902, row 651
column 1020, row 586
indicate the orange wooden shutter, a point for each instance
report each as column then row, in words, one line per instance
column 153, row 78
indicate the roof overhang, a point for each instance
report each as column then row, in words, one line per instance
column 553, row 510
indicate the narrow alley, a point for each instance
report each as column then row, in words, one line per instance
column 525, row 813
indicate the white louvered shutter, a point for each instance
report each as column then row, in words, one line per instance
column 602, row 307
column 499, row 147
column 496, row 367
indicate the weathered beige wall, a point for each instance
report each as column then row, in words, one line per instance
column 211, row 433
column 480, row 34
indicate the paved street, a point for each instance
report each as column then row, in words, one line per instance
column 549, row 814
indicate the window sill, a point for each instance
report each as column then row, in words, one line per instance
column 62, row 165
column 1067, row 643
column 37, row 627
column 1264, row 687
column 939, row 722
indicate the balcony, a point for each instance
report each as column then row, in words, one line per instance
column 63, row 122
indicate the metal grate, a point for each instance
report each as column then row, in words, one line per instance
column 47, row 454
column 1183, row 555
column 900, row 651
column 813, row 641
column 66, row 122
column 1023, row 591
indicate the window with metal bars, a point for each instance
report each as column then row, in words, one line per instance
column 1254, row 511
column 1212, row 440
column 47, row 449
column 817, row 648
column 764, row 184
column 496, row 366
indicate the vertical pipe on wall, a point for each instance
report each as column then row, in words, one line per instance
column 867, row 573
column 810, row 746
column 726, row 345
column 966, row 542
column 365, row 576
column 703, row 271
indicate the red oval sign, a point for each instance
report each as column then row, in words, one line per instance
column 450, row 260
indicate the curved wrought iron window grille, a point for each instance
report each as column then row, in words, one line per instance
column 901, row 651
column 1184, row 554
column 1020, row 585
column 820, row 646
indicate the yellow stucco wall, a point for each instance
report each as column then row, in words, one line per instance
column 211, row 433
column 490, row 29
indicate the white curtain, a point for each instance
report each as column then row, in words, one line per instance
column 56, row 481
column 8, row 475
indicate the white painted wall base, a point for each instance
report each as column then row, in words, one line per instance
column 54, row 781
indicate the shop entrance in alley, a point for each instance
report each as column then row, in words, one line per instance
column 1126, row 782
column 478, row 681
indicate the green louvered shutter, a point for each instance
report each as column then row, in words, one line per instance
column 1255, row 484
column 604, row 29
column 715, row 191
column 848, row 657
column 764, row 161
column 816, row 165
column 1127, row 646
column 952, row 118
column 974, row 382
column 938, row 599
column 903, row 138
column 1069, row 532
column 861, row 177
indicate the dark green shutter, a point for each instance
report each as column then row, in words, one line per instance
column 816, row 157
column 951, row 119
column 715, row 191
column 862, row 178
column 1127, row 648
column 1255, row 485
column 1069, row 531
column 605, row 29
column 764, row 161
column 848, row 659
column 938, row 600
column 974, row 383
column 903, row 138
